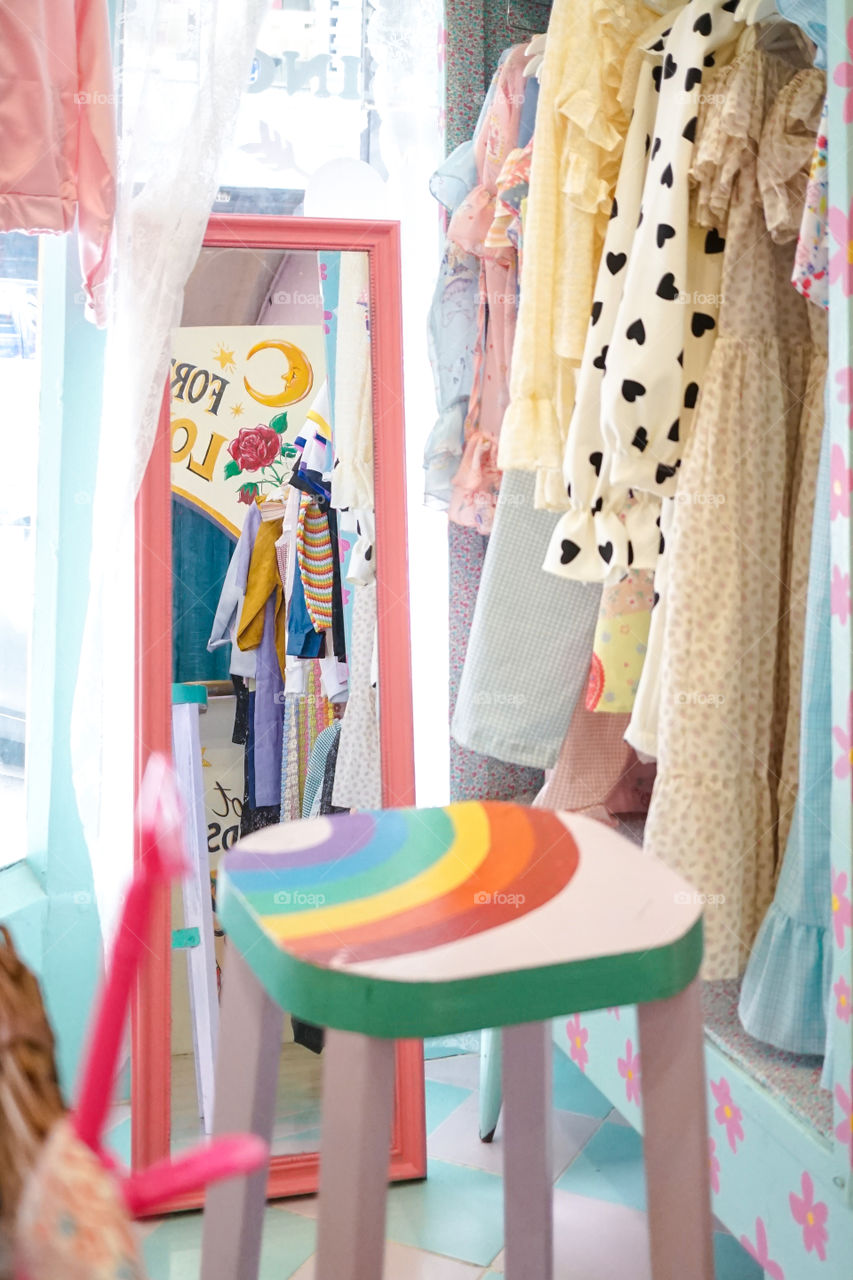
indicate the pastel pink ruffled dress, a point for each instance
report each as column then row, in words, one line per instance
column 477, row 481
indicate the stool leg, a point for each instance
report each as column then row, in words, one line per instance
column 528, row 1178
column 358, row 1101
column 247, row 1062
column 490, row 1083
column 675, row 1128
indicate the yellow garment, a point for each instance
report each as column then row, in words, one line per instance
column 263, row 578
column 580, row 130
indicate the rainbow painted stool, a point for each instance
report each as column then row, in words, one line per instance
column 422, row 922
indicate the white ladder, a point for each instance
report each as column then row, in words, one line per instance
column 188, row 702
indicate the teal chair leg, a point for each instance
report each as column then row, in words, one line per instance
column 490, row 1083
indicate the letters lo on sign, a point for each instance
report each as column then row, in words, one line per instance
column 239, row 397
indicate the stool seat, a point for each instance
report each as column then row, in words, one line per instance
column 419, row 922
column 398, row 924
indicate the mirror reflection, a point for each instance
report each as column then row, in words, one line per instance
column 275, row 712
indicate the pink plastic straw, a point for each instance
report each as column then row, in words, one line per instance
column 159, row 821
column 226, row 1157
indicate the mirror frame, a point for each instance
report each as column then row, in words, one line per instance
column 151, row 1017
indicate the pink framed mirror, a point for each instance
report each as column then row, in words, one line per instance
column 287, row 379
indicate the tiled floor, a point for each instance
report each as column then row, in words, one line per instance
column 450, row 1227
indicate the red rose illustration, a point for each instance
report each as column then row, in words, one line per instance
column 247, row 494
column 255, row 447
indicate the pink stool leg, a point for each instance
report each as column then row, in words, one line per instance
column 675, row 1125
column 528, row 1178
column 247, row 1063
column 358, row 1100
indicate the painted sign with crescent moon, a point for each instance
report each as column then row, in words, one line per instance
column 239, row 397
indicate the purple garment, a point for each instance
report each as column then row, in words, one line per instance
column 269, row 714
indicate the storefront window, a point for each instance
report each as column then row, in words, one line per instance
column 308, row 102
column 19, row 373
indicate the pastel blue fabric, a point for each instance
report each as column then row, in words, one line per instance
column 452, row 328
column 528, row 652
column 528, row 111
column 786, row 991
column 809, row 16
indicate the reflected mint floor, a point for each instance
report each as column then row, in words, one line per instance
column 450, row 1227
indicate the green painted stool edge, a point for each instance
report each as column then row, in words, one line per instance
column 413, row 1010
column 183, row 693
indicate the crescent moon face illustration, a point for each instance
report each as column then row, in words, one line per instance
column 298, row 380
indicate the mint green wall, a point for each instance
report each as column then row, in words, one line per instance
column 49, row 903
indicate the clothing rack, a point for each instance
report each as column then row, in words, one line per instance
column 520, row 13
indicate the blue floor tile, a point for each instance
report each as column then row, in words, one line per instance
column 173, row 1250
column 574, row 1092
column 441, row 1101
column 610, row 1168
column 457, row 1212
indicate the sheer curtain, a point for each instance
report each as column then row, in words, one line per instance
column 405, row 39
column 182, row 68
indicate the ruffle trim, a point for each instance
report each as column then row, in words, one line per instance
column 442, row 454
column 730, row 130
column 530, row 435
column 596, row 118
column 789, row 974
column 787, row 147
column 588, row 548
column 476, row 484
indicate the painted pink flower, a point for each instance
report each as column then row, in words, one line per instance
column 761, row 1253
column 843, row 76
column 727, row 1113
column 844, row 738
column 844, row 1128
column 811, row 1217
column 327, row 315
column 842, row 993
column 840, row 595
column 842, row 483
column 844, row 378
column 715, row 1166
column 324, row 270
column 441, row 50
column 578, row 1037
column 629, row 1070
column 842, row 912
column 841, row 259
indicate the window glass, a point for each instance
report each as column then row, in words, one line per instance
column 19, row 376
column 307, row 102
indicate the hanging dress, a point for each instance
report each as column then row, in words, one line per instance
column 531, row 636
column 786, row 991
column 732, row 648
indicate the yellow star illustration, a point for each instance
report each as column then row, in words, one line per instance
column 236, row 410
column 205, row 764
column 224, row 358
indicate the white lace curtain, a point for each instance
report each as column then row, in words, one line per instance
column 181, row 71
